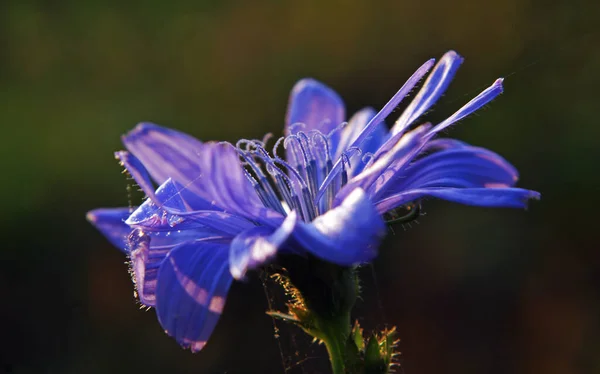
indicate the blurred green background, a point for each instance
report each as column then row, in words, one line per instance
column 471, row 290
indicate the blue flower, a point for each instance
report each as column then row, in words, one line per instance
column 221, row 210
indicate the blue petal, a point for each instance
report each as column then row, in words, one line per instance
column 212, row 171
column 164, row 152
column 169, row 212
column 145, row 261
column 346, row 235
column 148, row 249
column 192, row 286
column 111, row 223
column 376, row 121
column 392, row 104
column 399, row 149
column 435, row 85
column 485, row 197
column 137, row 171
column 317, row 107
column 256, row 246
column 480, row 100
column 371, row 144
column 466, row 166
column 152, row 214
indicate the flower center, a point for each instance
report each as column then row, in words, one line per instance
column 295, row 184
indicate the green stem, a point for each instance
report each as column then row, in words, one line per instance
column 336, row 356
column 335, row 336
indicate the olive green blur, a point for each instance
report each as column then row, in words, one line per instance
column 471, row 290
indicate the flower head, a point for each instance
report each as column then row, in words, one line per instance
column 222, row 209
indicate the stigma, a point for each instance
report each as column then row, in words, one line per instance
column 297, row 182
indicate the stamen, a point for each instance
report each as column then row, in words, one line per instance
column 311, row 167
column 270, row 198
column 276, row 146
column 338, row 128
column 293, row 126
column 291, row 199
column 300, row 158
column 324, row 161
column 332, row 176
column 318, row 135
column 344, row 174
column 302, row 186
column 284, row 186
column 367, row 158
column 247, row 143
column 266, row 138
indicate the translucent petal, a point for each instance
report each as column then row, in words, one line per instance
column 392, row 104
column 401, row 148
column 164, row 152
column 435, row 85
column 191, row 289
column 376, row 121
column 476, row 103
column 371, row 144
column 211, row 171
column 111, row 223
column 169, row 212
column 317, row 107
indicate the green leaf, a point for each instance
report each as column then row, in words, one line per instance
column 357, row 337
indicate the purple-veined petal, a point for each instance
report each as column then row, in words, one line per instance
column 392, row 104
column 466, row 166
column 396, row 171
column 255, row 246
column 376, row 121
column 477, row 102
column 151, row 213
column 211, row 170
column 169, row 212
column 401, row 151
column 316, row 107
column 111, row 223
column 148, row 249
column 484, row 197
column 193, row 282
column 165, row 153
column 137, row 171
column 435, row 85
column 346, row 235
column 145, row 261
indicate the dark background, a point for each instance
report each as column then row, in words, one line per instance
column 471, row 290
